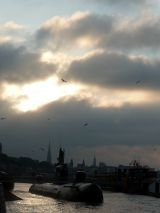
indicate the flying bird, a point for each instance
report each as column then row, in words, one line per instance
column 63, row 80
column 3, row 118
column 42, row 149
column 139, row 81
column 154, row 148
column 85, row 124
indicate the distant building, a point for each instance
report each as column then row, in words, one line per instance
column 71, row 163
column 103, row 168
column 49, row 157
column 102, row 165
column 83, row 163
column 70, row 168
column 81, row 166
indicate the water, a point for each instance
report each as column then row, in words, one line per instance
column 113, row 203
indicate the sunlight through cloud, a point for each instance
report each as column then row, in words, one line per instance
column 33, row 96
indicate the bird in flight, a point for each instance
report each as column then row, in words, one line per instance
column 154, row 148
column 3, row 118
column 139, row 81
column 63, row 80
column 42, row 149
column 85, row 124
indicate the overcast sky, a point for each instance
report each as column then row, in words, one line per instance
column 73, row 62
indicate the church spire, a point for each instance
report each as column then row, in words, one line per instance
column 49, row 158
column 94, row 161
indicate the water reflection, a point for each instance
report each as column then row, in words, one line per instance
column 113, row 203
column 31, row 203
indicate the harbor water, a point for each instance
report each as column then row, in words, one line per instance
column 113, row 203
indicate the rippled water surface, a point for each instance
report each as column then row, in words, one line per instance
column 113, row 203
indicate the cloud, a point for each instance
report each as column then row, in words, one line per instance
column 5, row 39
column 81, row 27
column 11, row 25
column 114, row 70
column 140, row 33
column 18, row 65
column 127, row 126
column 86, row 30
column 13, row 32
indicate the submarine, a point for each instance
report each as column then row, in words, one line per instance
column 77, row 191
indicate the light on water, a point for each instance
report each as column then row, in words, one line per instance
column 31, row 203
column 113, row 203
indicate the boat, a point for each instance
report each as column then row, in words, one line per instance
column 77, row 191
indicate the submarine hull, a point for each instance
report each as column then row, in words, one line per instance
column 79, row 192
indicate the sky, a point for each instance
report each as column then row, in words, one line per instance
column 71, row 62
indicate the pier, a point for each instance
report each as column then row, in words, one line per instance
column 2, row 200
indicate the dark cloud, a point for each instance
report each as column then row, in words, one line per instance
column 138, row 34
column 18, row 65
column 53, row 35
column 112, row 70
column 130, row 125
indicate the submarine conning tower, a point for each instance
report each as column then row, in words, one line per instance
column 80, row 176
column 61, row 171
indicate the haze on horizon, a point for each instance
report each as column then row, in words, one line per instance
column 69, row 63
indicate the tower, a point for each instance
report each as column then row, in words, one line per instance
column 49, row 158
column 61, row 156
column 83, row 163
column 94, row 161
